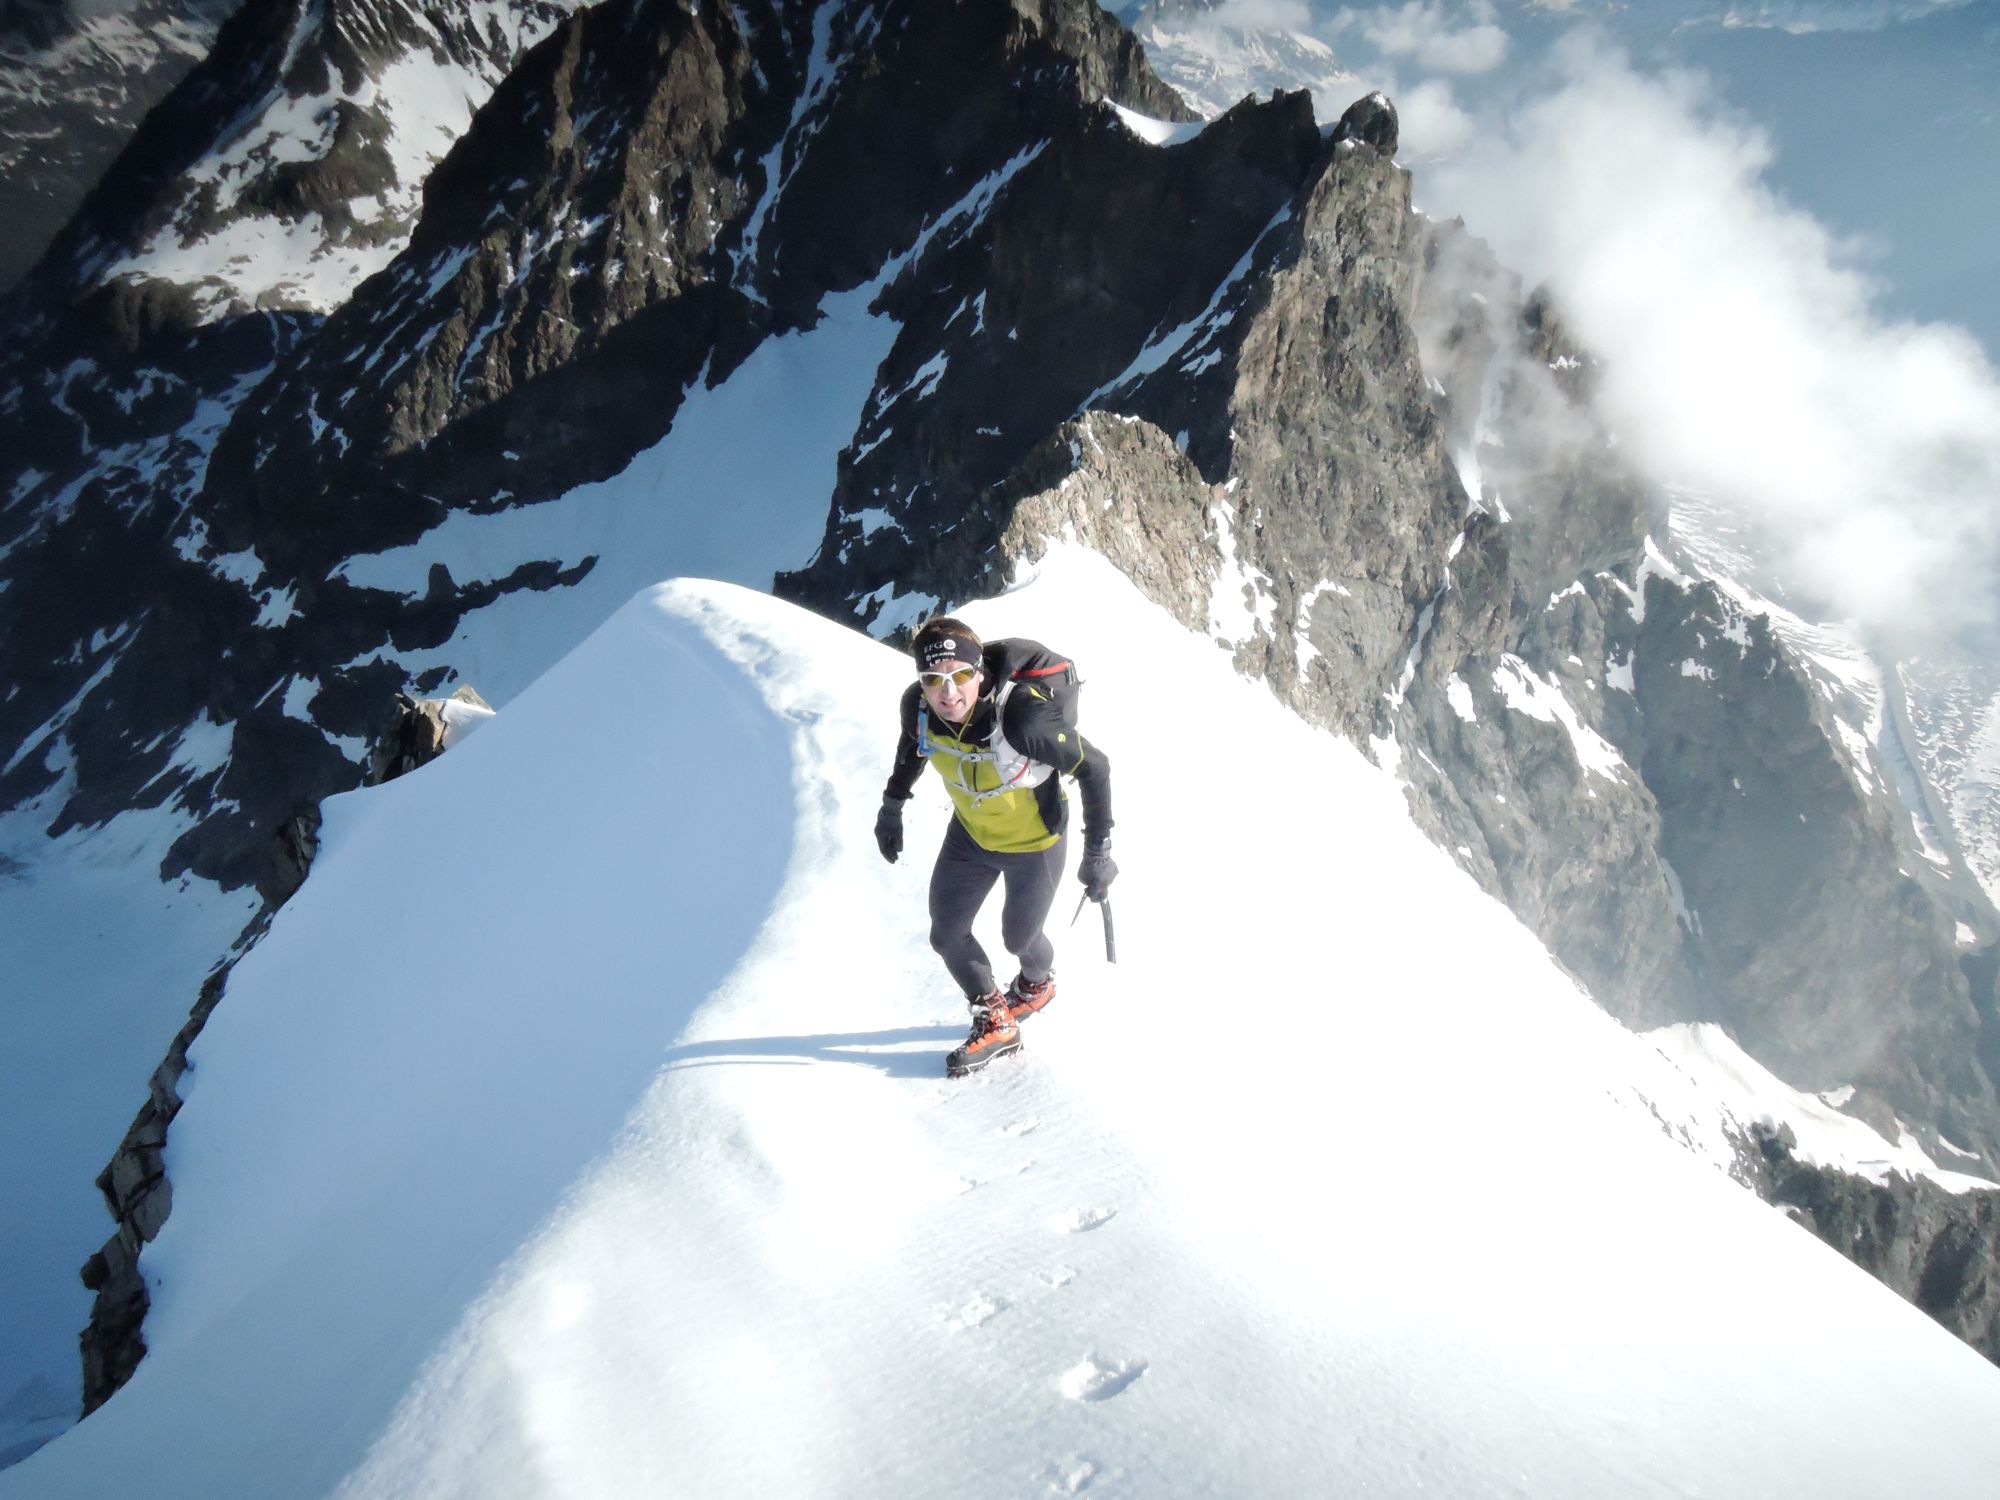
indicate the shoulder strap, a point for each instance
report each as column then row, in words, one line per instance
column 1026, row 661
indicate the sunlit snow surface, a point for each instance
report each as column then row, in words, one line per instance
column 1213, row 65
column 1157, row 132
column 580, row 1130
column 715, row 497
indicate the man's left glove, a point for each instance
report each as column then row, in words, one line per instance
column 889, row 829
column 1097, row 869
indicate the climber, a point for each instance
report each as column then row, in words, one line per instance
column 998, row 721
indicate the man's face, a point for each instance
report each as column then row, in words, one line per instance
column 952, row 690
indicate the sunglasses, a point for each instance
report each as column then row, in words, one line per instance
column 959, row 678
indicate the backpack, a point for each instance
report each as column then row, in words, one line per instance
column 1013, row 664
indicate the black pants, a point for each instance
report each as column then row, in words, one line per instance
column 960, row 883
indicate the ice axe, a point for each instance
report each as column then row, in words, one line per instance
column 1110, row 935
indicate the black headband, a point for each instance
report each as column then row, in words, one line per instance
column 933, row 652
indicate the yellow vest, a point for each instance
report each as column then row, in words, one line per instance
column 1006, row 821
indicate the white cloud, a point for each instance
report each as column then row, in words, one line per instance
column 1430, row 34
column 1778, row 15
column 1263, row 15
column 1746, row 355
column 1840, row 15
column 1430, row 122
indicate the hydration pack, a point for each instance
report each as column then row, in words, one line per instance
column 1025, row 663
column 1012, row 666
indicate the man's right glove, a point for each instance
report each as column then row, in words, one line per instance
column 889, row 829
column 1097, row 870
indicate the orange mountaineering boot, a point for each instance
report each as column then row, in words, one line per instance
column 1025, row 996
column 994, row 1034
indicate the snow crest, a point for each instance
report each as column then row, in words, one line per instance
column 600, row 1186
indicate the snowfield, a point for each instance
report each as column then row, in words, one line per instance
column 580, row 1130
column 716, row 496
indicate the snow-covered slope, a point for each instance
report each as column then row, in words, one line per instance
column 1738, row 1096
column 287, row 166
column 603, row 535
column 1954, row 716
column 1926, row 722
column 375, row 96
column 1215, row 57
column 580, row 1129
column 75, row 80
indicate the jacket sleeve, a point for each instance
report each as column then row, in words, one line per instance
column 909, row 765
column 1034, row 727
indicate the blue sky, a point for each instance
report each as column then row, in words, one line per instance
column 1883, row 116
column 1889, row 134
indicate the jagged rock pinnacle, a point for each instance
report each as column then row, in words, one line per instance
column 1371, row 121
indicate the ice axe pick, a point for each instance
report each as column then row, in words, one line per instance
column 1110, row 934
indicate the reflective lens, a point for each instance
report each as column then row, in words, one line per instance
column 959, row 678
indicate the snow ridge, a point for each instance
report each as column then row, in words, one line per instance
column 660, row 1215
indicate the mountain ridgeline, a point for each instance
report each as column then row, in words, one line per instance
column 1327, row 431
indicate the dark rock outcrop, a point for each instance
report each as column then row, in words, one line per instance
column 420, row 732
column 136, row 1190
column 124, row 626
column 1372, row 122
column 1934, row 1247
column 1066, row 270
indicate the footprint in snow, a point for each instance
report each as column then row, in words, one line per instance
column 1020, row 1127
column 1056, row 1276
column 981, row 1309
column 1099, row 1379
column 1070, row 1477
column 1081, row 1220
column 967, row 1184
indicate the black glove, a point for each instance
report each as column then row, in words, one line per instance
column 1098, row 870
column 889, row 830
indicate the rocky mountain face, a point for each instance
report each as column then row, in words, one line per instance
column 256, row 195
column 140, row 1197
column 610, row 228
column 288, row 166
column 75, row 80
column 1319, row 427
column 1936, row 1248
column 1421, row 534
column 1785, row 891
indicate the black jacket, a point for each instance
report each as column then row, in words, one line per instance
column 1034, row 724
